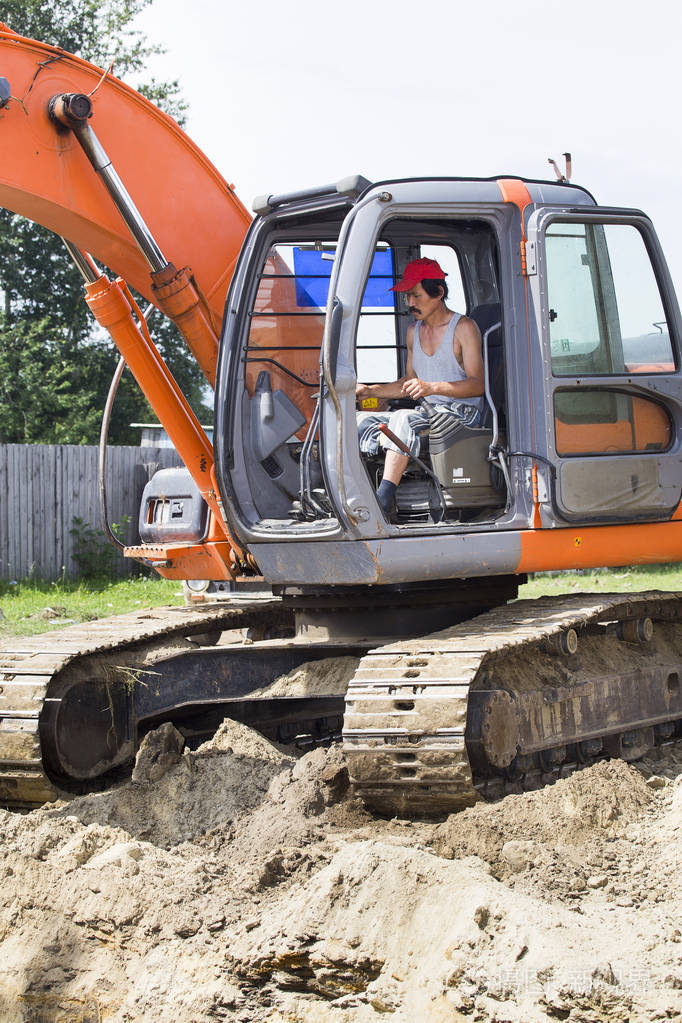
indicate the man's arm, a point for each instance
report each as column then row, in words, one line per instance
column 393, row 388
column 468, row 338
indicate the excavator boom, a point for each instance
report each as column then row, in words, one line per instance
column 80, row 184
column 49, row 179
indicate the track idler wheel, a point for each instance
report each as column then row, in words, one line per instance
column 588, row 750
column 551, row 759
column 636, row 630
column 562, row 644
column 500, row 730
column 630, row 745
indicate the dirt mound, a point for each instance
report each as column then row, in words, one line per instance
column 562, row 819
column 314, row 678
column 175, row 798
column 243, row 882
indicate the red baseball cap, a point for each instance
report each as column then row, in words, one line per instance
column 420, row 270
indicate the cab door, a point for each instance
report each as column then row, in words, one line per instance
column 608, row 324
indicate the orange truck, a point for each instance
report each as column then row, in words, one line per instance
column 458, row 691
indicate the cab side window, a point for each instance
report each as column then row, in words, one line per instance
column 606, row 316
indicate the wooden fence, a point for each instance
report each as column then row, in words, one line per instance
column 43, row 488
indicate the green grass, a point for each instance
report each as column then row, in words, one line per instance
column 605, row 580
column 32, row 607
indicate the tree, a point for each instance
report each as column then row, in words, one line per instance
column 55, row 365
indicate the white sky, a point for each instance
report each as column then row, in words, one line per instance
column 284, row 95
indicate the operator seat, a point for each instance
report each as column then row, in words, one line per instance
column 460, row 454
column 485, row 316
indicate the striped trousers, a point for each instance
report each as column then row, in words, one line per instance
column 408, row 424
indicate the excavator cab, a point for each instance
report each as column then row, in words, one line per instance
column 579, row 327
column 283, row 382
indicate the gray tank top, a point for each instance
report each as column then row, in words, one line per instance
column 442, row 365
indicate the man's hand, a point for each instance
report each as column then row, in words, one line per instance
column 415, row 388
column 362, row 391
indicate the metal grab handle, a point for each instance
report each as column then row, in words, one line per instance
column 308, row 502
column 488, row 387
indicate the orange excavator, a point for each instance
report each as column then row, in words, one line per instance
column 443, row 688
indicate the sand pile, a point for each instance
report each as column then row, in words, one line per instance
column 243, row 882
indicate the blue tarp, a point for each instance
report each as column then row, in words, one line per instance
column 313, row 273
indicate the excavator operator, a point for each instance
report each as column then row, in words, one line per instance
column 444, row 368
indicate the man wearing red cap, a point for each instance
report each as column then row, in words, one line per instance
column 444, row 367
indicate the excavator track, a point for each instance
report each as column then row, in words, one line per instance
column 507, row 701
column 35, row 673
column 513, row 699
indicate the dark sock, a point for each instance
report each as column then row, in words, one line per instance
column 385, row 495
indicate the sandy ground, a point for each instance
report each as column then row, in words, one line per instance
column 238, row 882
